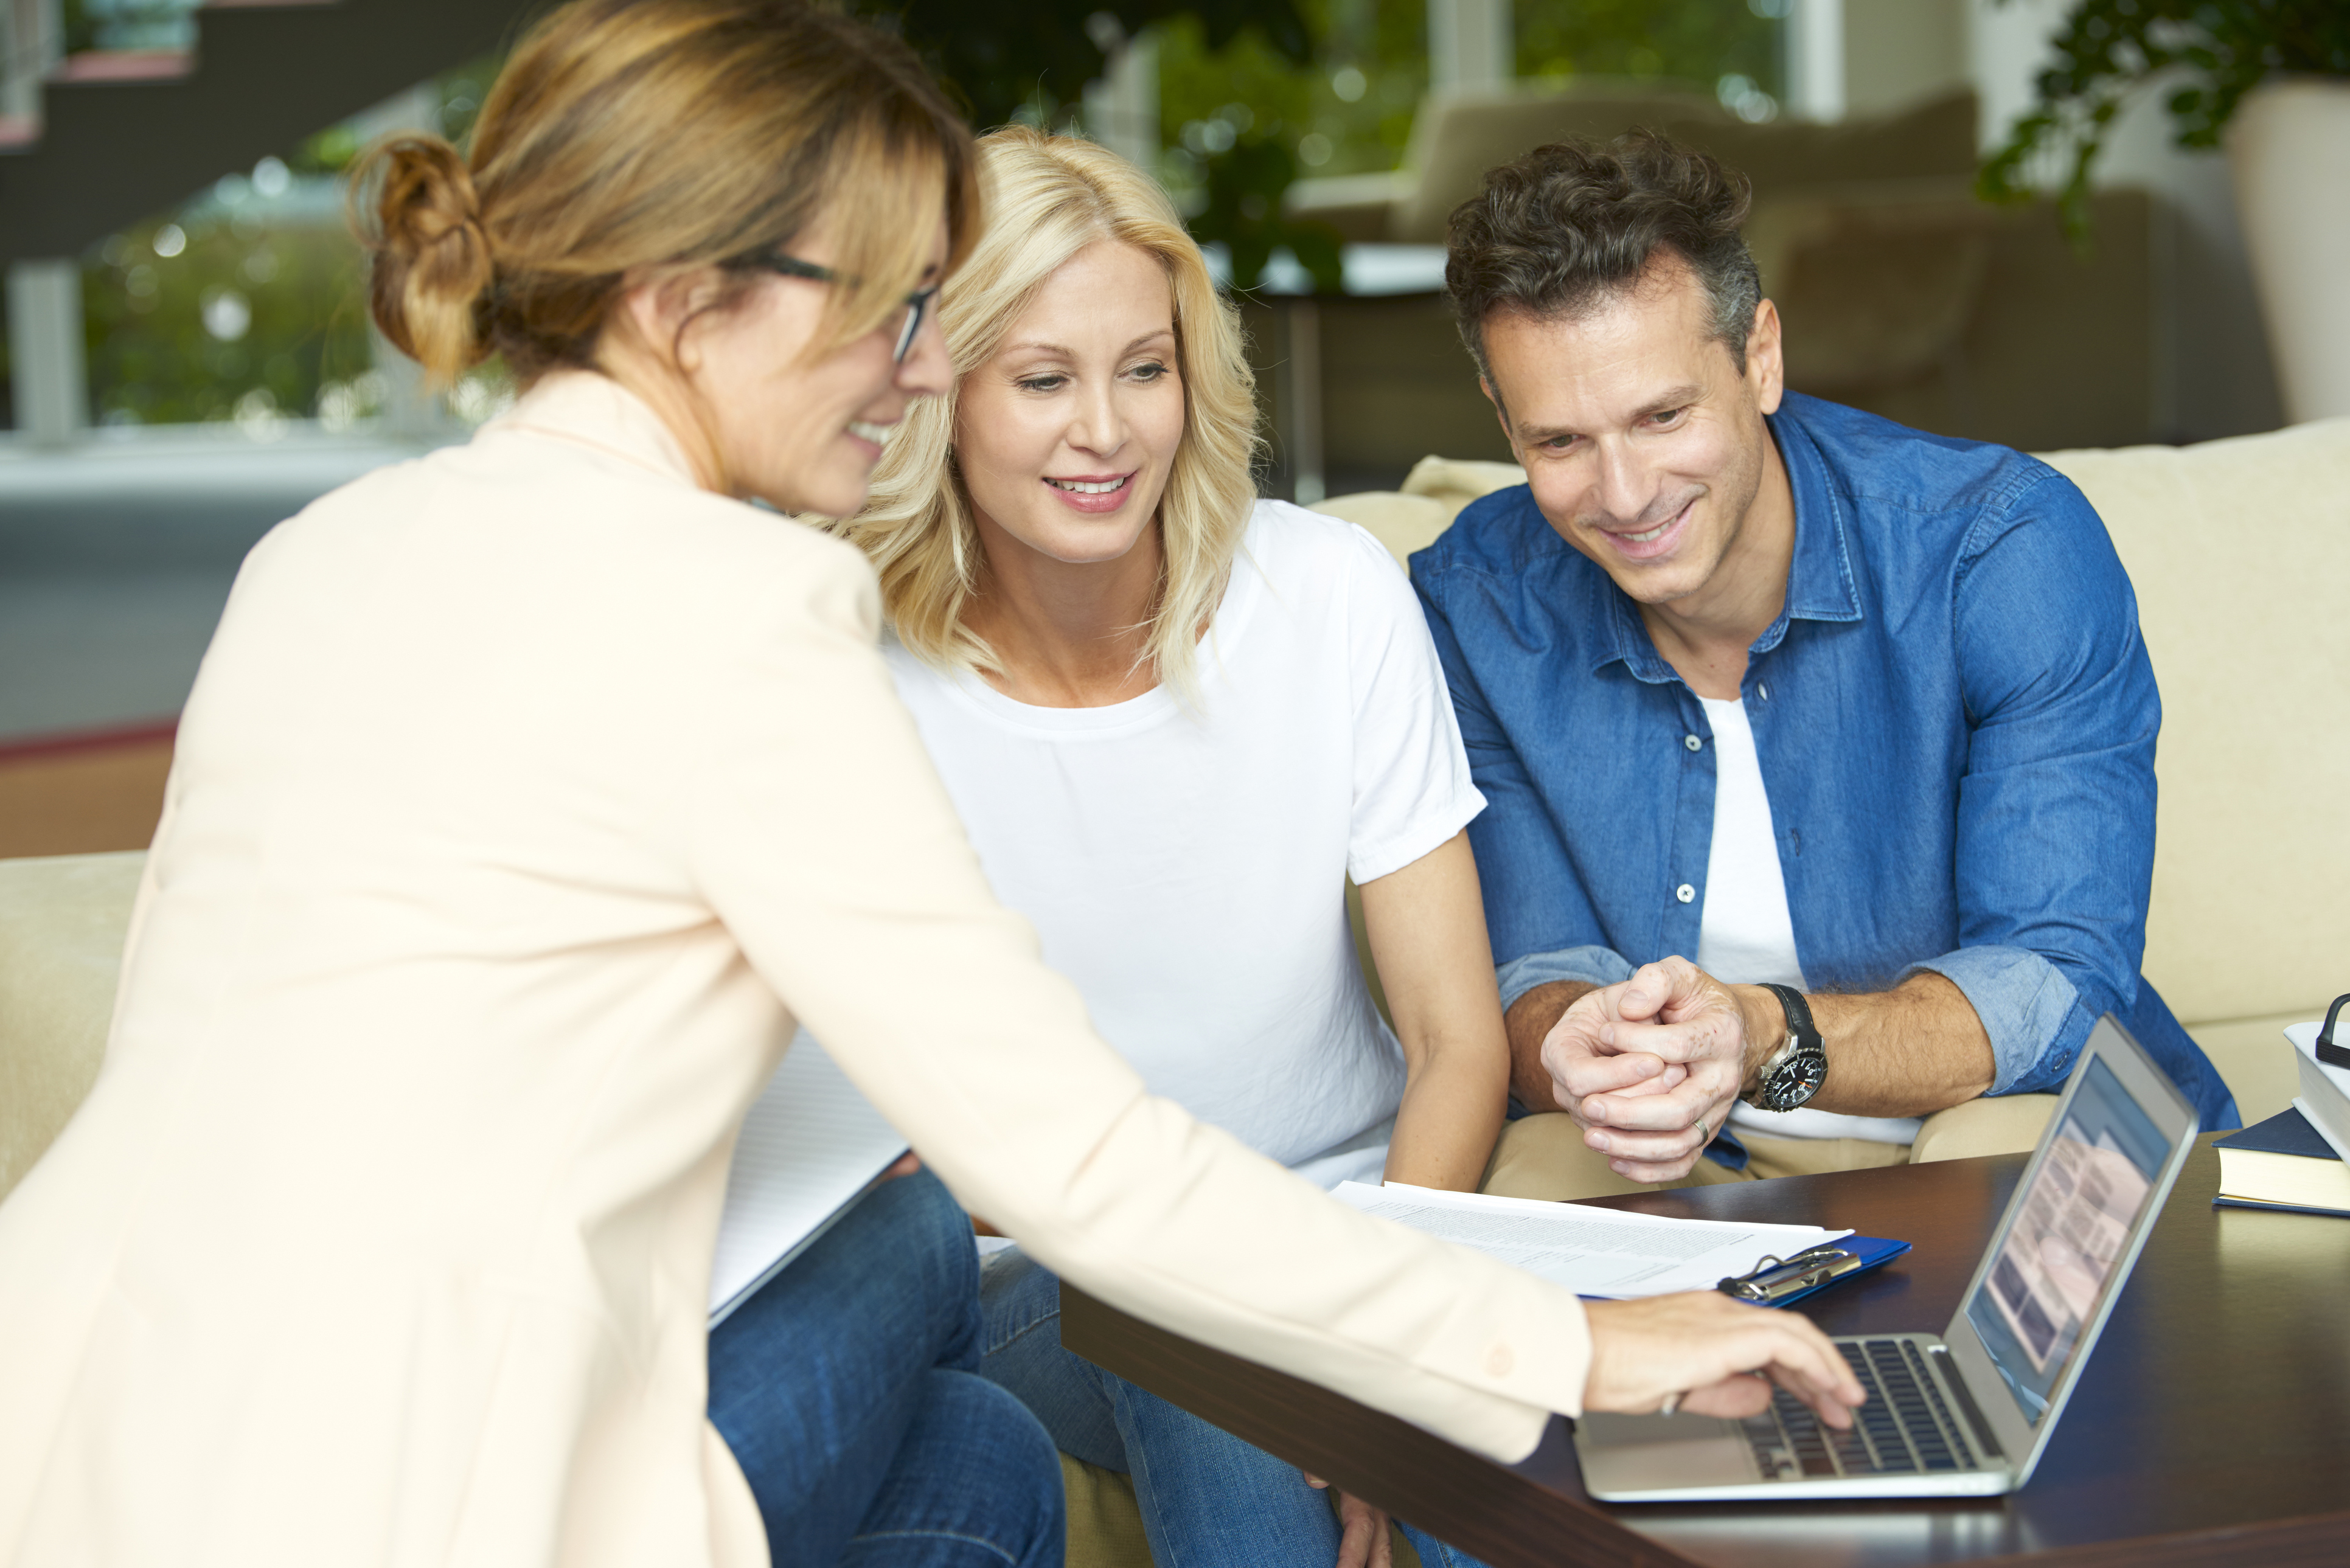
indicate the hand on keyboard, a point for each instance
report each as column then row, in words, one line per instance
column 1907, row 1426
column 1701, row 1347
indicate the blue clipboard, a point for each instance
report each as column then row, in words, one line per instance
column 1781, row 1281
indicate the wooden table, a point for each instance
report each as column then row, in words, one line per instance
column 2212, row 1426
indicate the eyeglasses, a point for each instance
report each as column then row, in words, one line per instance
column 918, row 304
column 2329, row 1052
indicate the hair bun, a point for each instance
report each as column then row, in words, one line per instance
column 432, row 261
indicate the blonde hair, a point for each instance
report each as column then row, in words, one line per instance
column 627, row 140
column 1049, row 197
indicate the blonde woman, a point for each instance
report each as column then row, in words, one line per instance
column 1174, row 719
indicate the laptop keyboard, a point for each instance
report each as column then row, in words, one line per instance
column 1904, row 1428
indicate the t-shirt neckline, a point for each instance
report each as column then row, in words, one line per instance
column 1242, row 588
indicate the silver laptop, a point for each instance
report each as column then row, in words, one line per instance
column 1968, row 1412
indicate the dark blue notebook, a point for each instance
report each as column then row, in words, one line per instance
column 2287, row 1132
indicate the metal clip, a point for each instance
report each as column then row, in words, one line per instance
column 1777, row 1279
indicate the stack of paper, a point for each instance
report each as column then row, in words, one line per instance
column 1592, row 1252
column 2324, row 1096
column 810, row 1145
column 2282, row 1163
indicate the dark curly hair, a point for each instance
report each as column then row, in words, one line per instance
column 1571, row 225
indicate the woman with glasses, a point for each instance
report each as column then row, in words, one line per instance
column 918, row 304
column 529, row 792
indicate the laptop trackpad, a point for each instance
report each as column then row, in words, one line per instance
column 1641, row 1452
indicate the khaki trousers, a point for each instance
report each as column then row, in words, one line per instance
column 1543, row 1156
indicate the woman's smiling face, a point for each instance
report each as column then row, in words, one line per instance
column 803, row 432
column 1066, row 437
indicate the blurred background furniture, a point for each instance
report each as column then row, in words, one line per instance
column 1900, row 292
column 178, row 384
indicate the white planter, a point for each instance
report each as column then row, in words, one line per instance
column 2289, row 146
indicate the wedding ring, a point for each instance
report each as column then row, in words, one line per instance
column 1672, row 1403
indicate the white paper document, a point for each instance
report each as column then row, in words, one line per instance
column 1592, row 1252
column 2325, row 1098
column 2304, row 1037
column 810, row 1145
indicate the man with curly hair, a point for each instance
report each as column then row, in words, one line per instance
column 1820, row 750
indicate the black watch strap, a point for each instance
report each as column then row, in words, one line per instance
column 1793, row 1074
column 2330, row 1052
column 1798, row 1012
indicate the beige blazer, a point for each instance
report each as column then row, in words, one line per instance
column 527, row 797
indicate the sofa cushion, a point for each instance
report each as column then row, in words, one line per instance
column 1933, row 137
column 1105, row 1523
column 1401, row 522
column 1456, row 137
column 62, row 923
column 2255, row 1060
column 1432, row 495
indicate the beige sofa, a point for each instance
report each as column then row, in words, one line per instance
column 2231, row 546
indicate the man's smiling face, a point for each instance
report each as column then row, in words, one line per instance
column 1642, row 439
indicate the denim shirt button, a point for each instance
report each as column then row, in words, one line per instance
column 1684, row 892
column 1692, row 742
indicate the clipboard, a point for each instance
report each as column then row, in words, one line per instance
column 1776, row 1281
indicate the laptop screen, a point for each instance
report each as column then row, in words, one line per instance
column 2057, row 1258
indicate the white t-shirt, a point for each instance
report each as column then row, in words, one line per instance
column 1745, row 935
column 1185, row 866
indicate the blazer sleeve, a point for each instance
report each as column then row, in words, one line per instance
column 816, row 829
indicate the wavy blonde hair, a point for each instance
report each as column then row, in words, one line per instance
column 1047, row 197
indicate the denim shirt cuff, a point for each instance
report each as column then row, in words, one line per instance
column 1592, row 965
column 2027, row 1006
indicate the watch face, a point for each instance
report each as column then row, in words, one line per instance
column 1794, row 1080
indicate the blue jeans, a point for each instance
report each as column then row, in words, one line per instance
column 846, row 1390
column 1208, row 1499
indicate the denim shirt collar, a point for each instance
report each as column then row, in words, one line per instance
column 1820, row 582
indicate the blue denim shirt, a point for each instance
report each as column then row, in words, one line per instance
column 1956, row 722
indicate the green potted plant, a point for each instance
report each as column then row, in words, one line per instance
column 2269, row 79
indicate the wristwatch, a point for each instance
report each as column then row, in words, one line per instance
column 1795, row 1072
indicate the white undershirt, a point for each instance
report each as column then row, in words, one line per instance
column 1745, row 935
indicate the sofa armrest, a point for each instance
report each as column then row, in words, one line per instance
column 62, row 923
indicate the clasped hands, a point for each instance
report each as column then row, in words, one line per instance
column 1648, row 1067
